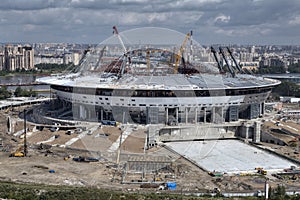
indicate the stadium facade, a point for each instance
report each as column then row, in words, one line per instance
column 151, row 85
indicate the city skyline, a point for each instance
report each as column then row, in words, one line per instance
column 274, row 22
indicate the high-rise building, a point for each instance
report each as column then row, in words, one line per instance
column 16, row 57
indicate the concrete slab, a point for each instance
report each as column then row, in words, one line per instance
column 230, row 156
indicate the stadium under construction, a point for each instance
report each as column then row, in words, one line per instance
column 158, row 84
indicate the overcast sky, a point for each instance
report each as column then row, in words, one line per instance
column 91, row 21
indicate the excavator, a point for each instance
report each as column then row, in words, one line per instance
column 22, row 149
column 18, row 153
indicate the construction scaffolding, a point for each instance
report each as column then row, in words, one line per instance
column 147, row 164
column 147, row 169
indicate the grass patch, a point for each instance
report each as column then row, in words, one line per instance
column 24, row 191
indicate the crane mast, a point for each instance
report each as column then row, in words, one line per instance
column 178, row 55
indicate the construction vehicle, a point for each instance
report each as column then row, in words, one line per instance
column 261, row 171
column 17, row 153
column 216, row 174
column 22, row 149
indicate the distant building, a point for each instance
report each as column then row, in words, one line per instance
column 290, row 99
column 16, row 57
column 48, row 58
column 250, row 65
column 66, row 58
column 246, row 57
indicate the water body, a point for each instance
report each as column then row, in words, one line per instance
column 22, row 80
column 19, row 79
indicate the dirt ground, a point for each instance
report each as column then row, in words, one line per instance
column 35, row 168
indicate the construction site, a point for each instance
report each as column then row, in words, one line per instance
column 127, row 120
column 122, row 156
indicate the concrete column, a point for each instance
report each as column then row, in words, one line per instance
column 256, row 132
column 82, row 112
column 88, row 113
column 167, row 115
column 262, row 108
column 196, row 115
column 204, row 115
column 176, row 110
column 213, row 114
column 222, row 114
column 101, row 113
column 186, row 115
column 246, row 133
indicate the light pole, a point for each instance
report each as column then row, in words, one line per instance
column 25, row 133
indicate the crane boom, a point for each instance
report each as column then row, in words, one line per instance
column 178, row 55
column 100, row 57
column 116, row 32
column 217, row 60
column 234, row 60
column 226, row 61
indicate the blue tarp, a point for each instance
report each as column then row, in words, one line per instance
column 171, row 185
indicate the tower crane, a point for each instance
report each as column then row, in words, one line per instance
column 116, row 32
column 178, row 55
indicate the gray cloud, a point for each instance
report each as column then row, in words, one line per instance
column 90, row 21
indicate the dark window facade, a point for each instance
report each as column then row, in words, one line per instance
column 161, row 93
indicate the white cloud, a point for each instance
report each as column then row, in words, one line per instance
column 222, row 18
column 70, row 19
column 295, row 20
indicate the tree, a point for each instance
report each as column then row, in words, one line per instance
column 279, row 193
column 287, row 89
column 4, row 93
column 294, row 68
column 271, row 70
column 18, row 91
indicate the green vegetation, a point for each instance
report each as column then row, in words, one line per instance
column 53, row 68
column 279, row 194
column 43, row 68
column 287, row 89
column 18, row 191
column 271, row 70
column 19, row 92
column 18, row 71
column 4, row 93
column 295, row 68
column 9, row 190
